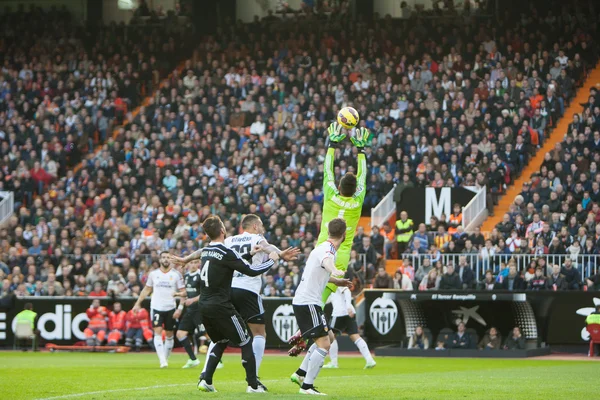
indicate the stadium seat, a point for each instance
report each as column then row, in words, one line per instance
column 594, row 330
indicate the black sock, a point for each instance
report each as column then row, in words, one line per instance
column 301, row 372
column 249, row 363
column 185, row 342
column 306, row 386
column 213, row 360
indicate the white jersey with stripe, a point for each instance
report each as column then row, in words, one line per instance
column 164, row 286
column 315, row 276
column 243, row 244
column 341, row 300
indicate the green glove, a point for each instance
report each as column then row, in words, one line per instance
column 335, row 133
column 361, row 138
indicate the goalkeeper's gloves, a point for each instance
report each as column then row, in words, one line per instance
column 335, row 132
column 361, row 138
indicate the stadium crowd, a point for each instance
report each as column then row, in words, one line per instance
column 242, row 130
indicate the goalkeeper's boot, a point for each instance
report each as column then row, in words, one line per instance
column 330, row 366
column 191, row 364
column 205, row 387
column 297, row 379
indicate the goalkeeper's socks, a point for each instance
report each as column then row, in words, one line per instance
column 364, row 350
column 333, row 352
column 304, row 366
column 187, row 345
column 159, row 347
column 169, row 343
column 315, row 363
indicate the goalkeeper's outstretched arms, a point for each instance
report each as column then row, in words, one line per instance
column 336, row 136
column 361, row 139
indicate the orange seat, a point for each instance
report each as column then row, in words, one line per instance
column 594, row 330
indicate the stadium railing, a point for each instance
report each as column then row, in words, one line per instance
column 475, row 211
column 384, row 210
column 7, row 205
column 587, row 264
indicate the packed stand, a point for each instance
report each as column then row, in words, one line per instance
column 242, row 130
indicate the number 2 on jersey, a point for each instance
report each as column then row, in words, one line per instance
column 204, row 273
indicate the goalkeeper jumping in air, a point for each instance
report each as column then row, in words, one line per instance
column 344, row 201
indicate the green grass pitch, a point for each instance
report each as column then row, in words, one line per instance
column 137, row 376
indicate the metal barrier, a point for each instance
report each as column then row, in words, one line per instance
column 7, row 205
column 475, row 211
column 384, row 210
column 586, row 264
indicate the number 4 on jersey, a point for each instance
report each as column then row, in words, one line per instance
column 204, row 273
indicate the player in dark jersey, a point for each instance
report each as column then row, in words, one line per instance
column 222, row 322
column 191, row 318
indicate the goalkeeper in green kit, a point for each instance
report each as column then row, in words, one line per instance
column 342, row 201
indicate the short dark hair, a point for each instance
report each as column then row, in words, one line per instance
column 249, row 220
column 212, row 226
column 28, row 306
column 336, row 228
column 348, row 185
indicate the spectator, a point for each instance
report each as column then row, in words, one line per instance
column 489, row 282
column 539, row 281
column 450, row 280
column 370, row 254
column 383, row 280
column 513, row 281
column 377, row 240
column 491, row 340
column 465, row 273
column 462, row 339
column 557, row 281
column 402, row 281
column 571, row 274
column 431, row 281
column 515, row 341
column 418, row 340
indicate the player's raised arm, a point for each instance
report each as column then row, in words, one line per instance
column 335, row 137
column 237, row 262
column 361, row 139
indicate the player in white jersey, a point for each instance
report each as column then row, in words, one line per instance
column 245, row 290
column 343, row 320
column 318, row 271
column 165, row 284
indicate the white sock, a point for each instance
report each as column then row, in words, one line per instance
column 364, row 349
column 211, row 346
column 169, row 343
column 333, row 352
column 258, row 346
column 304, row 365
column 315, row 363
column 159, row 347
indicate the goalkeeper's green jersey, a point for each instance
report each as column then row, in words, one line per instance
column 338, row 206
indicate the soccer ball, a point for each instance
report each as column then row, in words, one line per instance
column 348, row 117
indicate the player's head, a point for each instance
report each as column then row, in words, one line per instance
column 337, row 229
column 252, row 223
column 163, row 259
column 117, row 307
column 194, row 265
column 348, row 185
column 214, row 228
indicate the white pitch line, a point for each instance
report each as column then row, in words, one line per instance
column 68, row 396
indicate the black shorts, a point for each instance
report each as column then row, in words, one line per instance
column 227, row 327
column 164, row 319
column 191, row 320
column 311, row 321
column 344, row 324
column 249, row 305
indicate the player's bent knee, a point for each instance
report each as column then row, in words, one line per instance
column 323, row 342
column 354, row 337
column 181, row 334
column 258, row 329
